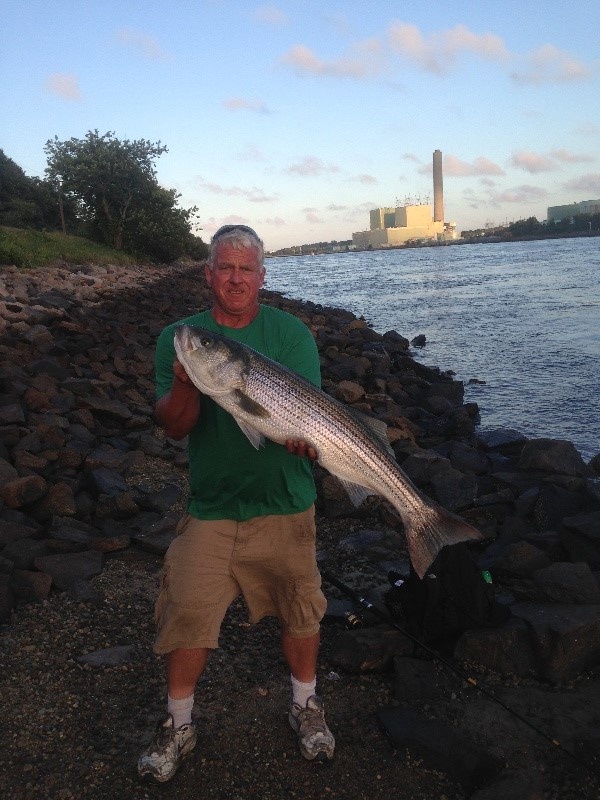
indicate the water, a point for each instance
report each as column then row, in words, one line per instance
column 523, row 317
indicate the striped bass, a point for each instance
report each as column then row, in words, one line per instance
column 269, row 400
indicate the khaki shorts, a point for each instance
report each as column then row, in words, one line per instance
column 271, row 560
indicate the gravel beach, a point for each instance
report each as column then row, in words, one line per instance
column 77, row 728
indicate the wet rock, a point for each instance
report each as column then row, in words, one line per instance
column 504, row 440
column 552, row 455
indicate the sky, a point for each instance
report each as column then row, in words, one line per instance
column 297, row 118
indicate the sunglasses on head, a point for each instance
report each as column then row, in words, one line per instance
column 230, row 228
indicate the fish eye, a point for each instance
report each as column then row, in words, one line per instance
column 205, row 341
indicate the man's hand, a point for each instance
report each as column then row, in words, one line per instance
column 300, row 448
column 180, row 373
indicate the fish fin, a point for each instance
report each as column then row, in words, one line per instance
column 357, row 494
column 255, row 437
column 250, row 406
column 432, row 530
column 378, row 428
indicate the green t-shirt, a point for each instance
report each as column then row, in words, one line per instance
column 229, row 478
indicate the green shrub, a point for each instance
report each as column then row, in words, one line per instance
column 28, row 248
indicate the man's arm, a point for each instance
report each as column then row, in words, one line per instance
column 178, row 411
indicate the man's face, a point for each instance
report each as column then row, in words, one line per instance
column 235, row 278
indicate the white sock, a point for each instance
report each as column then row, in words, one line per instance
column 180, row 710
column 302, row 691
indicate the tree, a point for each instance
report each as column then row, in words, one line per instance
column 526, row 227
column 29, row 202
column 115, row 184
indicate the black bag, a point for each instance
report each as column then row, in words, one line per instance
column 452, row 597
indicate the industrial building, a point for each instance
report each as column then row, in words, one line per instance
column 558, row 213
column 391, row 227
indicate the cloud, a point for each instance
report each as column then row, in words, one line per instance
column 242, row 104
column 532, row 162
column 253, row 195
column 586, row 183
column 365, row 179
column 277, row 221
column 454, row 167
column 588, row 129
column 571, row 158
column 251, row 153
column 311, row 166
column 313, row 218
column 65, row 86
column 519, row 194
column 212, row 223
column 142, row 44
column 364, row 63
column 549, row 64
column 272, row 15
column 437, row 52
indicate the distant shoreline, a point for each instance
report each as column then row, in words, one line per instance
column 432, row 243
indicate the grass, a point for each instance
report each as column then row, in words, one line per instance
column 28, row 248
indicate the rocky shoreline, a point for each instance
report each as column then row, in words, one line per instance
column 90, row 492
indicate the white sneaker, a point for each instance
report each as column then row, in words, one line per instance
column 315, row 740
column 166, row 751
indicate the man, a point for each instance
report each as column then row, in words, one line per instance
column 250, row 523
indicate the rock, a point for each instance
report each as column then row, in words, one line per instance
column 28, row 585
column 23, row 552
column 417, row 680
column 7, row 598
column 581, row 539
column 552, row 455
column 568, row 583
column 516, row 784
column 369, row 650
column 109, row 656
column 71, row 567
column 504, row 440
column 507, row 650
column 566, row 638
column 521, row 558
column 23, row 491
column 349, row 392
column 440, row 747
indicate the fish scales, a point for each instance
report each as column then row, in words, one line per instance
column 269, row 400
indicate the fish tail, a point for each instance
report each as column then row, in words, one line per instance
column 432, row 530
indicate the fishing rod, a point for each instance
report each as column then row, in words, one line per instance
column 377, row 612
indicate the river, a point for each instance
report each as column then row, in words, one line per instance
column 522, row 318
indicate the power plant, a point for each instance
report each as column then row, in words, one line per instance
column 390, row 227
column 438, row 187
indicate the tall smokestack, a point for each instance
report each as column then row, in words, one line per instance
column 438, row 187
